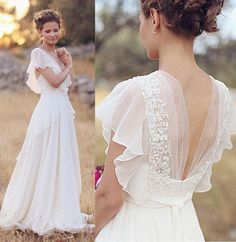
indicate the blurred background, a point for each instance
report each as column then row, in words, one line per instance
column 120, row 55
column 18, row 36
column 17, row 39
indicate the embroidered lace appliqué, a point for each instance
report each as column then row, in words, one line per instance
column 157, row 116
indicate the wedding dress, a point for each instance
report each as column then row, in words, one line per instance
column 43, row 194
column 149, row 116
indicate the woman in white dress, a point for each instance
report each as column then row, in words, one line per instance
column 164, row 131
column 43, row 194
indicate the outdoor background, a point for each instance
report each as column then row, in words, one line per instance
column 17, row 102
column 120, row 55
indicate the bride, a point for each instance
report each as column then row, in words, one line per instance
column 164, row 131
column 43, row 194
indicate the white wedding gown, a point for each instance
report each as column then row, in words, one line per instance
column 43, row 194
column 149, row 116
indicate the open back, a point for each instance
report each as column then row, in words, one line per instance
column 189, row 149
column 169, row 151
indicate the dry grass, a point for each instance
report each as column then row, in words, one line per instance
column 28, row 236
column 216, row 209
column 101, row 92
column 84, row 67
column 15, row 110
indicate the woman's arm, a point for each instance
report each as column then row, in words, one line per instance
column 55, row 79
column 62, row 53
column 109, row 196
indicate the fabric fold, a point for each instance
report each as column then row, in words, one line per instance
column 126, row 108
column 38, row 60
column 231, row 120
column 228, row 125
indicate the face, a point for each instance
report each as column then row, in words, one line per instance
column 148, row 38
column 50, row 33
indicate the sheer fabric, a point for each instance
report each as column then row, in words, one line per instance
column 159, row 169
column 187, row 159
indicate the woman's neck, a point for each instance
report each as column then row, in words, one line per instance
column 177, row 55
column 49, row 48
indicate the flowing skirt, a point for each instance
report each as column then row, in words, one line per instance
column 43, row 194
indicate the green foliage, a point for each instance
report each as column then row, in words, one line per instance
column 78, row 19
column 122, row 56
column 64, row 41
column 220, row 62
column 113, row 19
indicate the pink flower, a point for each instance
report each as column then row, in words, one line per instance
column 98, row 175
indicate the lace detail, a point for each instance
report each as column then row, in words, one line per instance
column 168, row 187
column 158, row 167
column 157, row 116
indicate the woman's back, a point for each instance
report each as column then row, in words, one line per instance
column 196, row 103
column 171, row 140
column 164, row 132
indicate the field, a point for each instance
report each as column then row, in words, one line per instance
column 15, row 111
column 216, row 209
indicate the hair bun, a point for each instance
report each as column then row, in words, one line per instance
column 187, row 17
column 192, row 5
column 46, row 15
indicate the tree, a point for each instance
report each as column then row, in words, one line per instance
column 113, row 19
column 79, row 19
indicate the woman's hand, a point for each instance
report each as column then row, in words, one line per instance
column 66, row 59
column 61, row 51
column 65, row 56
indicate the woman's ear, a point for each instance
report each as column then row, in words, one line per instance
column 155, row 18
column 39, row 32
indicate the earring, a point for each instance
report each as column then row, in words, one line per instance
column 154, row 31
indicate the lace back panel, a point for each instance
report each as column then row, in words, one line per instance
column 170, row 152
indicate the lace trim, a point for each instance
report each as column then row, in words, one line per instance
column 157, row 116
column 171, row 187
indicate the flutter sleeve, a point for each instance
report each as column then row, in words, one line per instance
column 231, row 121
column 38, row 60
column 123, row 111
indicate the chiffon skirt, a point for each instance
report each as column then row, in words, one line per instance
column 43, row 194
